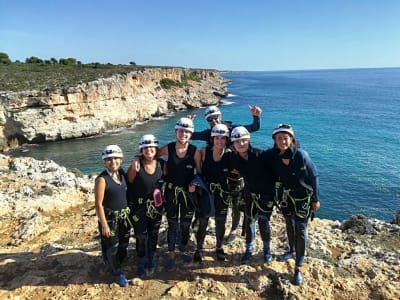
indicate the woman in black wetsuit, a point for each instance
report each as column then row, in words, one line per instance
column 113, row 212
column 215, row 160
column 258, row 192
column 296, row 192
column 181, row 168
column 145, row 177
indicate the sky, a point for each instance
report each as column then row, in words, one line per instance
column 234, row 35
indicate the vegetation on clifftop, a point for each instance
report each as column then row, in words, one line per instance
column 51, row 74
column 18, row 77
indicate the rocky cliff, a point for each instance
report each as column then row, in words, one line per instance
column 49, row 249
column 108, row 103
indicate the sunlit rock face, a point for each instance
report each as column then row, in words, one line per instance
column 107, row 103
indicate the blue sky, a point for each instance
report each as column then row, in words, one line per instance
column 217, row 34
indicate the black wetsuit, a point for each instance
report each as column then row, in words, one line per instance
column 180, row 172
column 300, row 181
column 258, row 196
column 114, row 248
column 215, row 174
column 147, row 218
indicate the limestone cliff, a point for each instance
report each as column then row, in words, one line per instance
column 107, row 103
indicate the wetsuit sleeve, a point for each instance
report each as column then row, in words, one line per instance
column 253, row 126
column 201, row 135
column 312, row 176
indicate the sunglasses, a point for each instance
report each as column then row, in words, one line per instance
column 112, row 151
column 212, row 118
column 239, row 135
column 184, row 125
column 211, row 111
column 219, row 131
column 149, row 142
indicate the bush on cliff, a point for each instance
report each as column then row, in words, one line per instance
column 167, row 83
column 17, row 77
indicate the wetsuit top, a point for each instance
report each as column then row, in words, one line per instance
column 180, row 171
column 144, row 183
column 114, row 194
column 216, row 171
column 300, row 175
column 250, row 169
column 205, row 135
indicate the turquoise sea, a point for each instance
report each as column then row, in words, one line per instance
column 347, row 120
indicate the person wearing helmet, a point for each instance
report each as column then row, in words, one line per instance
column 144, row 197
column 258, row 197
column 296, row 192
column 181, row 167
column 213, row 116
column 215, row 163
column 113, row 212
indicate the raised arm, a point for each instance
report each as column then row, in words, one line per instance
column 256, row 113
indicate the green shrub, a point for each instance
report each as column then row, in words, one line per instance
column 167, row 83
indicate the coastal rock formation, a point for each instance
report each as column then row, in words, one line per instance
column 49, row 249
column 105, row 104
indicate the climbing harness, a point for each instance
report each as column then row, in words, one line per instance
column 152, row 208
column 178, row 190
column 216, row 188
column 282, row 197
column 115, row 216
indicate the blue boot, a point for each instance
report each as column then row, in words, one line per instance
column 298, row 277
column 121, row 280
column 246, row 257
column 286, row 256
column 267, row 256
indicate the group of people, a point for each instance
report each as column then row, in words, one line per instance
column 171, row 180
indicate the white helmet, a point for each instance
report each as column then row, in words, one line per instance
column 185, row 123
column 239, row 133
column 211, row 111
column 283, row 128
column 220, row 129
column 148, row 140
column 112, row 151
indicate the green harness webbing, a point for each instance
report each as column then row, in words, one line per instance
column 238, row 187
column 178, row 190
column 305, row 209
column 255, row 202
column 122, row 214
column 216, row 187
column 152, row 211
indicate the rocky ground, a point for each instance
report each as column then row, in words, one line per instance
column 49, row 249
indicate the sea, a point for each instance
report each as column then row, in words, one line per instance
column 346, row 119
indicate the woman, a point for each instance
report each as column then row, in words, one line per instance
column 258, row 192
column 144, row 177
column 113, row 212
column 297, row 193
column 215, row 170
column 180, row 170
